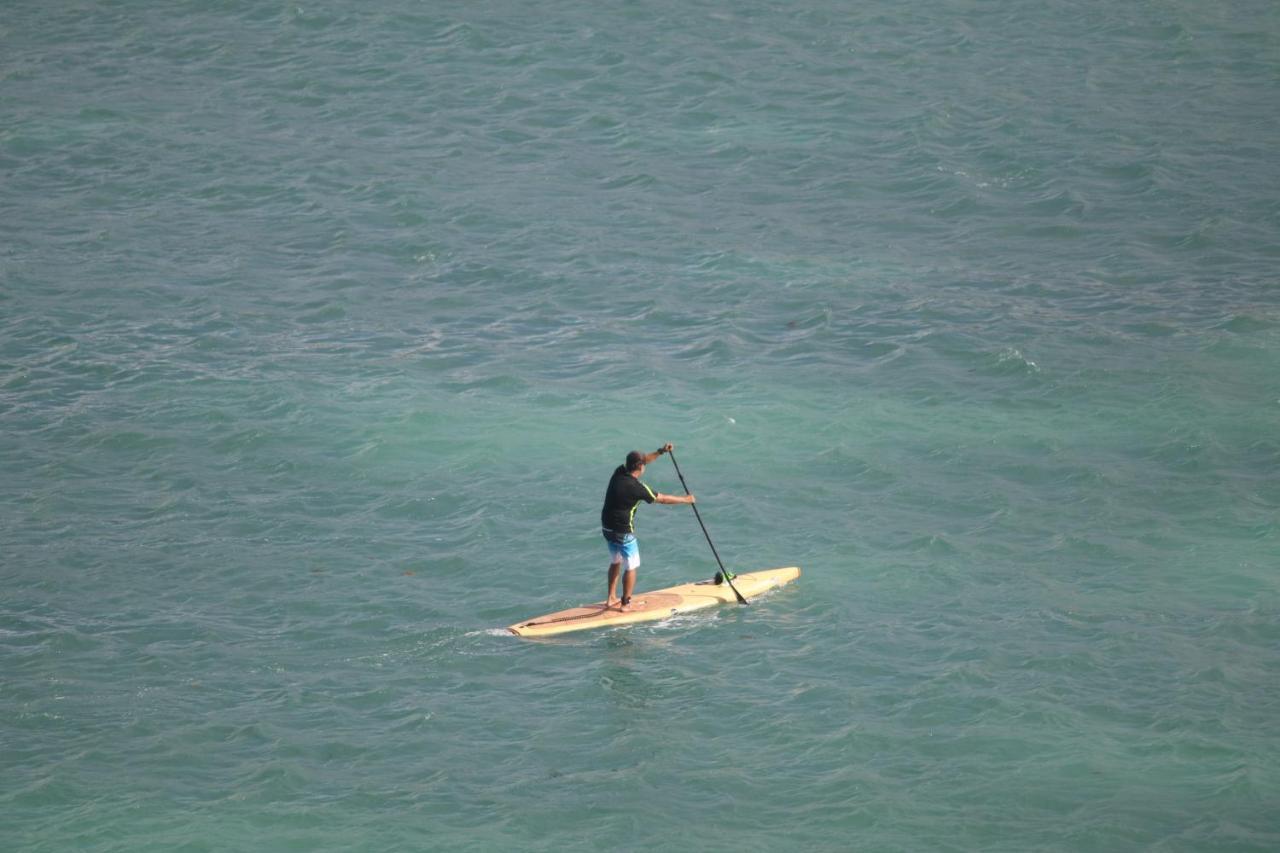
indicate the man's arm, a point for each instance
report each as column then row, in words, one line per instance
column 660, row 497
column 666, row 448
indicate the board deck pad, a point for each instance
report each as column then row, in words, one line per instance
column 655, row 605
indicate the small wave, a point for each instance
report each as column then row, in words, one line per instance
column 1014, row 357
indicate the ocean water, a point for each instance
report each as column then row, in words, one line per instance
column 323, row 324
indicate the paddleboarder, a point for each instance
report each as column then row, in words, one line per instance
column 621, row 498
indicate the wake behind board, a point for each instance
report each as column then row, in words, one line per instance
column 652, row 606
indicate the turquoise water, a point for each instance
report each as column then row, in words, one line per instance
column 322, row 326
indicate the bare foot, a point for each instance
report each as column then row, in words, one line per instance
column 609, row 605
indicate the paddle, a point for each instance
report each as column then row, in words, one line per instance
column 698, row 515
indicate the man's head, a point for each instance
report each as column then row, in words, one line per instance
column 635, row 462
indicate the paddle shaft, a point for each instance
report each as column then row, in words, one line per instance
column 723, row 571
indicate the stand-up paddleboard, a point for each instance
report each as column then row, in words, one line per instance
column 659, row 604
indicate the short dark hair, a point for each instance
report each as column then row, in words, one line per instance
column 634, row 460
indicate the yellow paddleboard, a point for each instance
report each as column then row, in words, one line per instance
column 659, row 604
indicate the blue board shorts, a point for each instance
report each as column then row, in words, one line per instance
column 623, row 549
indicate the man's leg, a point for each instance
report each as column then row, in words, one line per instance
column 612, row 599
column 628, row 587
column 630, row 564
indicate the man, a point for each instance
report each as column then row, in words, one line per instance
column 617, row 520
